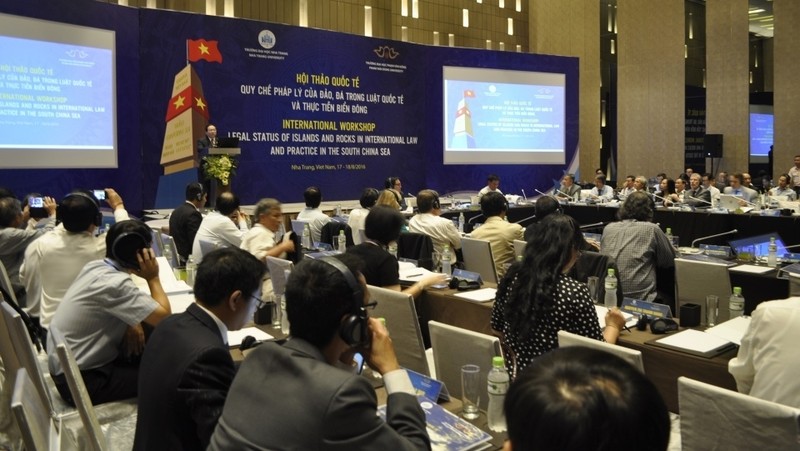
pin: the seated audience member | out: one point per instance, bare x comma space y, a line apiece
357, 215
601, 192
794, 174
537, 298
568, 188
304, 394
262, 240
54, 261
627, 188
666, 188
737, 189
678, 196
722, 180
220, 227
383, 226
98, 309
428, 222
15, 238
638, 246
312, 213
394, 183
576, 399
747, 181
767, 363
783, 188
697, 195
184, 222
497, 231
545, 206
390, 198
640, 183
688, 172
708, 185
186, 367
492, 186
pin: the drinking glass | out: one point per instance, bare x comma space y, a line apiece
470, 391
712, 309
592, 283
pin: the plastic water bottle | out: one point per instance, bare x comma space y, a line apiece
338, 212
168, 253
610, 298
736, 303
461, 222
341, 242
393, 249
446, 260
669, 234
306, 237
497, 381
772, 256
191, 269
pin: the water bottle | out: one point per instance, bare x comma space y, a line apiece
669, 234
461, 223
168, 253
497, 381
341, 242
284, 316
307, 237
338, 212
577, 196
191, 268
393, 249
772, 256
736, 303
610, 298
446, 260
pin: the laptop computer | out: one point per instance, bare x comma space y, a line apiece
759, 243
731, 202
228, 143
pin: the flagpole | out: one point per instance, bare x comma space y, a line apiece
187, 52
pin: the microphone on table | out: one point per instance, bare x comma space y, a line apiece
470, 220
524, 197
592, 226
729, 232
525, 219
552, 195
701, 200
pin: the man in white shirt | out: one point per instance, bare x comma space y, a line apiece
492, 186
219, 227
313, 214
263, 240
54, 261
358, 216
783, 188
627, 187
601, 192
794, 173
428, 222
710, 185
769, 358
497, 231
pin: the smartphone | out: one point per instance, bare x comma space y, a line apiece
36, 209
359, 359
36, 202
100, 194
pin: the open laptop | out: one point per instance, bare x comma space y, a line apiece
228, 143
731, 202
760, 244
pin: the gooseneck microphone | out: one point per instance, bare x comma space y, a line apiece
729, 232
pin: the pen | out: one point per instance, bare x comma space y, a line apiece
413, 275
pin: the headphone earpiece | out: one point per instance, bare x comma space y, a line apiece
200, 194
131, 240
354, 329
436, 204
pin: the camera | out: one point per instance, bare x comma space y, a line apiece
36, 202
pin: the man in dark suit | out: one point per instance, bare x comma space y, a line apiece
305, 393
185, 220
208, 141
186, 367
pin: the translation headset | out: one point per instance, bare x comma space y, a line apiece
389, 182
98, 215
436, 204
125, 242
200, 194
354, 328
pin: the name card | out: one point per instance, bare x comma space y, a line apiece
428, 387
638, 307
718, 251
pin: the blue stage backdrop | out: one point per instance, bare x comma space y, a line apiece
310, 107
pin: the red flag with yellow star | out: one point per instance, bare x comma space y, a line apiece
201, 49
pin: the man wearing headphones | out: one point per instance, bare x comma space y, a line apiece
185, 220
312, 214
98, 310
428, 222
53, 262
304, 394
396, 184
499, 232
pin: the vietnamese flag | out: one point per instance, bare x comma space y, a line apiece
201, 49
469, 93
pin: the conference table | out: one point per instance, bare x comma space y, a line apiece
662, 366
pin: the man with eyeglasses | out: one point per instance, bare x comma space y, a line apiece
305, 393
186, 367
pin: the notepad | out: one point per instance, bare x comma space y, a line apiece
752, 269
482, 295
695, 342
732, 330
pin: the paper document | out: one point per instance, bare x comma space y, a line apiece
696, 341
235, 337
482, 295
169, 282
751, 269
413, 274
630, 320
178, 303
732, 330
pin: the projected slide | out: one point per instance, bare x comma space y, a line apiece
57, 95
494, 116
761, 133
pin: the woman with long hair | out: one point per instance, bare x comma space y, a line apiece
537, 298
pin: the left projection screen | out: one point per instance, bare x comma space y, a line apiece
57, 95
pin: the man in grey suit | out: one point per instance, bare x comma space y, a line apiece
305, 393
738, 189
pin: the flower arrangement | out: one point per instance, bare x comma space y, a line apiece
219, 167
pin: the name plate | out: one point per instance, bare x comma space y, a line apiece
432, 389
791, 257
719, 251
638, 307
467, 275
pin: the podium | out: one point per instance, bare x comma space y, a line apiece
213, 186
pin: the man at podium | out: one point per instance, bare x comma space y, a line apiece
210, 140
